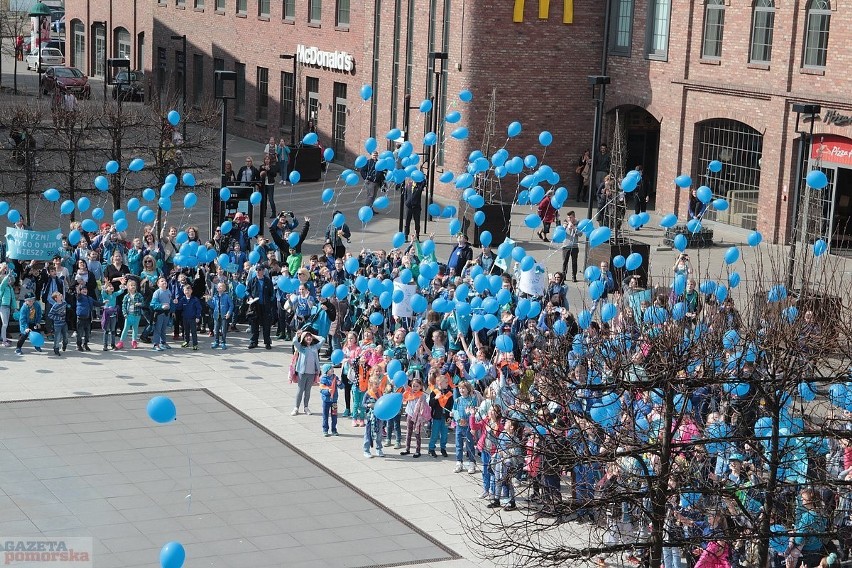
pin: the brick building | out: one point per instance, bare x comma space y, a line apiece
717, 80
533, 57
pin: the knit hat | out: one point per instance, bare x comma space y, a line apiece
326, 368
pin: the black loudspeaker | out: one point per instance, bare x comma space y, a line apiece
625, 248
307, 160
498, 218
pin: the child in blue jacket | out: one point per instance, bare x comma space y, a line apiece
222, 311
190, 307
329, 385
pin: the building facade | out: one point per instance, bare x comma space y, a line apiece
711, 80
530, 57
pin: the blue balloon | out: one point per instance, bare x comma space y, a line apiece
419, 304
633, 261
255, 198
253, 231
121, 224
366, 92
425, 106
111, 167
365, 214
376, 318
732, 255
190, 199
164, 203
715, 166
351, 265
4, 207
36, 338
328, 154
453, 117
720, 204
430, 139
167, 190
188, 179
161, 409
599, 236
83, 204
136, 165
310, 139
412, 342
518, 254
460, 133
172, 554
293, 240
101, 183
668, 221
327, 195
545, 138
98, 213
680, 242
530, 161
596, 290
51, 194
514, 129
182, 237
754, 239
485, 238
683, 181
704, 194
398, 240
66, 208
820, 246
504, 343
592, 273
338, 220
465, 96
388, 406
532, 221
381, 202
74, 237
173, 117
148, 194
341, 292
295, 177
227, 227
817, 179
734, 279
428, 247
527, 263
89, 226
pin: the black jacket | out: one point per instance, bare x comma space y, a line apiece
255, 174
370, 173
268, 299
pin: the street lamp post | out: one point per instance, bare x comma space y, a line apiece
221, 77
293, 100
433, 152
183, 87
810, 111
40, 11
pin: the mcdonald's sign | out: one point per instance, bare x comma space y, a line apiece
544, 11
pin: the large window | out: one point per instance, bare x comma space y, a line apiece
197, 79
714, 25
122, 43
220, 5
78, 53
341, 18
262, 100
240, 91
339, 126
285, 112
621, 35
816, 34
312, 92
657, 40
263, 8
242, 6
763, 22
315, 11
289, 9
739, 147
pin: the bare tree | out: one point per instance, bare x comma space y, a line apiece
700, 427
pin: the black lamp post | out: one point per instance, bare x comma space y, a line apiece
221, 77
433, 150
810, 111
40, 11
293, 100
183, 87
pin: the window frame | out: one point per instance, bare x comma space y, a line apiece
288, 10
287, 98
240, 91
713, 8
219, 6
241, 7
261, 101
315, 9
261, 5
338, 9
767, 8
619, 8
822, 12
652, 29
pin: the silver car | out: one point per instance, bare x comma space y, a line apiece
50, 57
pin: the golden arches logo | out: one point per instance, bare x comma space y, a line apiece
544, 11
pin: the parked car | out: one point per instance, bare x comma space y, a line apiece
130, 86
50, 57
67, 79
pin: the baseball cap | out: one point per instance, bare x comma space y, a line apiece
29, 296
735, 457
326, 368
388, 353
260, 266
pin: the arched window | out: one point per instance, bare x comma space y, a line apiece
739, 147
817, 22
714, 24
762, 24
121, 41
